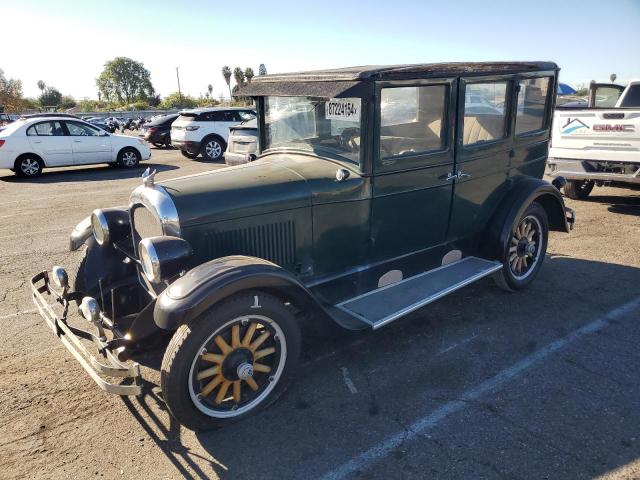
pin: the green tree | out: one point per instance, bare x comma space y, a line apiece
41, 86
67, 102
51, 97
226, 73
262, 70
248, 73
613, 77
238, 76
125, 80
210, 90
11, 94
175, 100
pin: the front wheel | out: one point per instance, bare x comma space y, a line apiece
525, 250
231, 361
128, 158
578, 189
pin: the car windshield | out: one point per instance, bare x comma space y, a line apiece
325, 126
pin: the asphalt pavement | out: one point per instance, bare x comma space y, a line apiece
481, 384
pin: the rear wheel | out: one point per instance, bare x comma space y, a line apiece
28, 166
212, 149
578, 189
525, 250
189, 155
158, 144
230, 362
128, 158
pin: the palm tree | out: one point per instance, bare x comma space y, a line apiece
238, 75
41, 85
248, 73
210, 89
226, 73
613, 77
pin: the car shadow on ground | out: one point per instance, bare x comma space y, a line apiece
624, 205
98, 173
313, 418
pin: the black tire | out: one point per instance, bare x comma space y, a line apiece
158, 144
28, 166
183, 356
128, 158
213, 148
578, 189
507, 277
188, 154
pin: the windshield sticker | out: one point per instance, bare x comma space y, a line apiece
347, 109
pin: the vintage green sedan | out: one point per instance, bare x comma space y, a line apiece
376, 191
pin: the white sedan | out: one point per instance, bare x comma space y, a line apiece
29, 145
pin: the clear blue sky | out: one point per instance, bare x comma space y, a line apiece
66, 42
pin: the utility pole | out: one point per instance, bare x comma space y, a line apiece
179, 91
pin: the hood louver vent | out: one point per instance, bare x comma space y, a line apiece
275, 242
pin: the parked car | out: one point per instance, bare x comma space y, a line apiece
598, 144
29, 145
205, 131
243, 143
343, 216
158, 131
104, 125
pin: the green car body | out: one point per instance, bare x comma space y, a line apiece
375, 189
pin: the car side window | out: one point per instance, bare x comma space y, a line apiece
411, 119
532, 99
230, 116
77, 129
484, 112
46, 129
214, 117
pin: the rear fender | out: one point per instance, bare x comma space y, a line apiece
209, 283
522, 194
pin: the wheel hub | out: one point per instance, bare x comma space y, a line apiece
244, 371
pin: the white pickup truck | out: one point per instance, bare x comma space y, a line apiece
598, 145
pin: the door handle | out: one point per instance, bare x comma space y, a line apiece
77, 141
37, 141
451, 176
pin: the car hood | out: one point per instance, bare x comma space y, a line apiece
271, 184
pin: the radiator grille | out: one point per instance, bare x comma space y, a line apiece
144, 224
275, 242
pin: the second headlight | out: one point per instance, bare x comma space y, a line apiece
163, 257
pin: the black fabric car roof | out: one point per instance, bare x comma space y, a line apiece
352, 80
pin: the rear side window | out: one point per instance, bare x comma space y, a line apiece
632, 97
187, 117
46, 129
484, 112
411, 119
532, 99
246, 115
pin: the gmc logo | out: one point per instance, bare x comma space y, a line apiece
614, 128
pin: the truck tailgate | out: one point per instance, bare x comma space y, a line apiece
596, 134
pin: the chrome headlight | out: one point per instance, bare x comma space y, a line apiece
163, 257
110, 225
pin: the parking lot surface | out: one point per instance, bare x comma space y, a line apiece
482, 384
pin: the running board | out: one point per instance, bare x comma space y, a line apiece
386, 304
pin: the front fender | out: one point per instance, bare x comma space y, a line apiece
209, 283
522, 194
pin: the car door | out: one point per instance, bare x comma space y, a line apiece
48, 139
89, 145
223, 119
483, 152
411, 191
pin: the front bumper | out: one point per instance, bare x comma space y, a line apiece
105, 364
